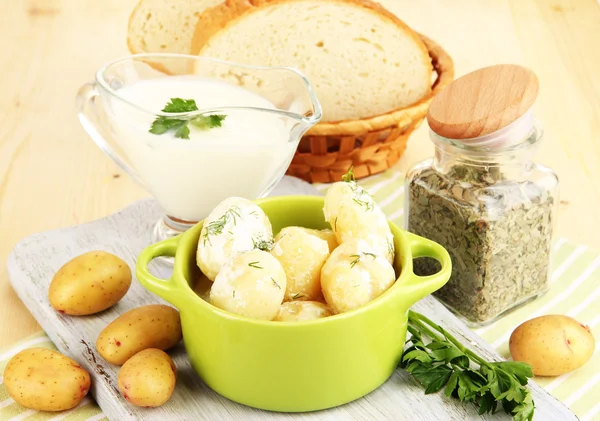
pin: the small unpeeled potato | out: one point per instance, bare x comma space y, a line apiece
251, 285
148, 378
89, 284
296, 311
552, 344
354, 275
151, 326
354, 215
234, 226
45, 380
302, 256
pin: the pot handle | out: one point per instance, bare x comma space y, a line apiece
164, 288
417, 287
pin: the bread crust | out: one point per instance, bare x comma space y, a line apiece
219, 18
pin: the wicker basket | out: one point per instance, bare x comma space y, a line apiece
370, 145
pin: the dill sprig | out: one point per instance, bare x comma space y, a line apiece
217, 226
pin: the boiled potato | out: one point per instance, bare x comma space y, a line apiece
327, 235
148, 378
552, 345
252, 285
45, 380
89, 283
151, 326
235, 226
295, 311
354, 215
355, 274
302, 256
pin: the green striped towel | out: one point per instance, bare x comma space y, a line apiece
575, 291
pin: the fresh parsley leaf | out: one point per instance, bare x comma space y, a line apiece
432, 377
487, 403
178, 105
208, 121
163, 124
444, 361
418, 355
452, 384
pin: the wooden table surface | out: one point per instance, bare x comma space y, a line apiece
52, 175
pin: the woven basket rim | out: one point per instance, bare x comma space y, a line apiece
444, 68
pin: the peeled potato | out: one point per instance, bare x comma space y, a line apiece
295, 311
148, 378
354, 275
252, 285
235, 226
552, 344
302, 256
327, 235
354, 215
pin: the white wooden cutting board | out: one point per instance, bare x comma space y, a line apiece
34, 260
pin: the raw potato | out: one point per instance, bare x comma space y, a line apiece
354, 215
148, 378
45, 380
295, 311
302, 256
235, 226
552, 344
151, 326
89, 283
251, 285
354, 275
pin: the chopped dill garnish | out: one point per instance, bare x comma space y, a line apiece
297, 295
261, 244
356, 257
349, 176
234, 293
217, 226
275, 282
254, 265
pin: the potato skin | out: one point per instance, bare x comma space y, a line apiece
151, 326
45, 380
552, 344
297, 311
89, 283
148, 378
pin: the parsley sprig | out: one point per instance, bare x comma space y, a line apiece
446, 362
163, 124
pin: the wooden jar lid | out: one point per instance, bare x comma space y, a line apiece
482, 102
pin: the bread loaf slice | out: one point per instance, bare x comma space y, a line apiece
165, 26
362, 60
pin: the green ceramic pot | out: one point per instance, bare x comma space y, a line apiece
294, 366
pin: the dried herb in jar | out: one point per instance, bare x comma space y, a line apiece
497, 232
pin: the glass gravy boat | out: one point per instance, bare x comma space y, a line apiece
262, 112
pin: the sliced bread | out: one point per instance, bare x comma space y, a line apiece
165, 26
362, 60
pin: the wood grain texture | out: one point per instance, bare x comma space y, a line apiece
483, 101
52, 175
35, 259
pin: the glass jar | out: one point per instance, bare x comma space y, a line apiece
493, 209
